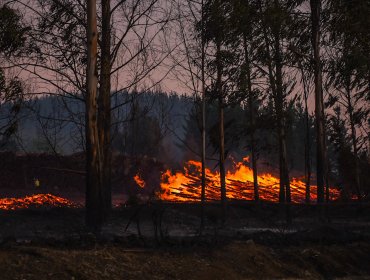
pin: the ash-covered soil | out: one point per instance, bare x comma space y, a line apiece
162, 241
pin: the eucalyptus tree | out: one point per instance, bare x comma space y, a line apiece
301, 55
321, 150
243, 17
203, 81
94, 191
104, 104
348, 71
305, 82
221, 67
277, 30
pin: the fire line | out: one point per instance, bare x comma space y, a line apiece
35, 201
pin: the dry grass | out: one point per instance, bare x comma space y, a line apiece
239, 260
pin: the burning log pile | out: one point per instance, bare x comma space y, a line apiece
186, 185
35, 201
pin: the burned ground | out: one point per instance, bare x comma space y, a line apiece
255, 243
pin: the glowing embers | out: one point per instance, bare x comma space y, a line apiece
139, 181
186, 185
35, 201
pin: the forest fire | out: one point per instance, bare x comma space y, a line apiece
35, 201
186, 186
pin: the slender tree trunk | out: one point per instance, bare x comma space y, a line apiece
285, 195
94, 206
279, 103
222, 158
319, 102
251, 117
221, 128
327, 171
276, 83
104, 102
307, 152
354, 140
274, 89
203, 198
307, 156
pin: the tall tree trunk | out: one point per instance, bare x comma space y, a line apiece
94, 206
285, 195
276, 83
203, 195
353, 138
279, 103
327, 172
277, 94
221, 128
307, 146
252, 121
321, 161
104, 105
222, 158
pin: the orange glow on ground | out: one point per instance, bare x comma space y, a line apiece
35, 201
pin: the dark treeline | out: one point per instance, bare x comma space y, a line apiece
46, 125
166, 127
284, 81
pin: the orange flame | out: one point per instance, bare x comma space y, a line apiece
35, 201
246, 159
139, 181
186, 185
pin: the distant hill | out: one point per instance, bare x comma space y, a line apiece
55, 123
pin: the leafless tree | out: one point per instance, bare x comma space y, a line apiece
127, 52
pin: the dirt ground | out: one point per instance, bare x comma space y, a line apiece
254, 244
237, 260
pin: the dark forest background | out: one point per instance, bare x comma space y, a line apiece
166, 127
